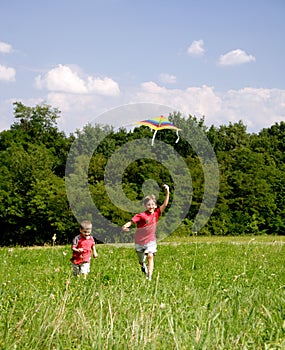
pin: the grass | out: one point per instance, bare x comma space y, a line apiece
206, 294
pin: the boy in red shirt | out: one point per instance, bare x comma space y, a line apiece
82, 247
145, 236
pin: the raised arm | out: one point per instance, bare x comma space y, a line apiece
166, 199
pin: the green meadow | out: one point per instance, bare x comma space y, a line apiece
206, 293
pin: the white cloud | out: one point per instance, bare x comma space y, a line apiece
105, 86
235, 57
7, 73
257, 108
5, 48
196, 48
197, 101
76, 109
167, 78
152, 88
65, 79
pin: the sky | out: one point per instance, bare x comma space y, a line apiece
223, 60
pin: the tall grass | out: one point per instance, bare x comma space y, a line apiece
203, 296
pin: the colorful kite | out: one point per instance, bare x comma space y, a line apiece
159, 123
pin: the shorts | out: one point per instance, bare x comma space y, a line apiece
83, 268
143, 250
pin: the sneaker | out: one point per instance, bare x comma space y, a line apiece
144, 269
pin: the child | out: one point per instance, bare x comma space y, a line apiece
82, 247
145, 237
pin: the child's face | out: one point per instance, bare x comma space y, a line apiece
86, 231
150, 206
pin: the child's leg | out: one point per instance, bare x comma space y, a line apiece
141, 256
150, 252
75, 269
150, 258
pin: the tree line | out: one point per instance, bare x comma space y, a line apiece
34, 205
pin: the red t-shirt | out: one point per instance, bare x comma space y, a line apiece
81, 242
146, 226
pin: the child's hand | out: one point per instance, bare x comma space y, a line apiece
125, 229
80, 250
95, 255
166, 187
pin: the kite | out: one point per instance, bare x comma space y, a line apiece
159, 123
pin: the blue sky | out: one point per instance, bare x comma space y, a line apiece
223, 59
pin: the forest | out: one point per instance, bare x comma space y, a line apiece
39, 163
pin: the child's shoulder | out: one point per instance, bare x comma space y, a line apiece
157, 211
76, 238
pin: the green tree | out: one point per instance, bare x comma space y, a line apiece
38, 125
33, 154
26, 177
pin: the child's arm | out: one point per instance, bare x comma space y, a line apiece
95, 254
77, 250
75, 245
166, 199
126, 226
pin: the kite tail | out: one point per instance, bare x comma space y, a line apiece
152, 141
177, 133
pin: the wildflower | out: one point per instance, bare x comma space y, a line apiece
64, 253
198, 334
10, 251
52, 296
54, 238
37, 309
162, 306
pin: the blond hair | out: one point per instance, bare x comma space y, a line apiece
85, 224
149, 198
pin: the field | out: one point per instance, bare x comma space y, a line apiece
220, 293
